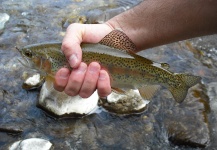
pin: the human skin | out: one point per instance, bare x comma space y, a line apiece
149, 24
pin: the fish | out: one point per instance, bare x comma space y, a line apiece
116, 53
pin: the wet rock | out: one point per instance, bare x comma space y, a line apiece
130, 103
11, 128
3, 19
32, 81
187, 124
100, 16
31, 144
62, 105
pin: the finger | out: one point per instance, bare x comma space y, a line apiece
61, 79
76, 80
90, 80
71, 44
103, 84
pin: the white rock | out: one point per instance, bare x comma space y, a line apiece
131, 97
60, 104
3, 19
114, 97
31, 144
34, 80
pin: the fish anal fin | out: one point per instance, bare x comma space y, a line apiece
148, 91
118, 91
119, 40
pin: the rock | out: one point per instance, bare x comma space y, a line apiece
101, 16
32, 81
11, 129
61, 105
3, 19
187, 124
31, 144
130, 103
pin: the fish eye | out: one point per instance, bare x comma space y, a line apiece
28, 53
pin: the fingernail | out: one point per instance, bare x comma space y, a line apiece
81, 69
73, 59
64, 74
93, 69
102, 76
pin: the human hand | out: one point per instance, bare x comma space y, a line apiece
83, 80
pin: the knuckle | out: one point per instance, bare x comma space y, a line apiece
71, 26
85, 93
70, 92
65, 46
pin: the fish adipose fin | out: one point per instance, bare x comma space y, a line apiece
179, 93
148, 91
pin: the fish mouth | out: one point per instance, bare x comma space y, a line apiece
24, 61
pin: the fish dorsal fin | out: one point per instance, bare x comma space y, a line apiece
148, 91
118, 40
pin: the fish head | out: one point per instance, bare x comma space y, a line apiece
33, 60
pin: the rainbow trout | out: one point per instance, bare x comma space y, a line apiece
114, 52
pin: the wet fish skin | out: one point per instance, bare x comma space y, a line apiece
127, 70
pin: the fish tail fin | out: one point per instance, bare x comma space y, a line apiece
179, 93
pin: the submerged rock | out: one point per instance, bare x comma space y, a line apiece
3, 19
130, 103
31, 144
61, 105
187, 124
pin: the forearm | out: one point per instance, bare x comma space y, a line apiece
157, 22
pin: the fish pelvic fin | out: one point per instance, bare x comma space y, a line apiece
118, 40
179, 93
118, 91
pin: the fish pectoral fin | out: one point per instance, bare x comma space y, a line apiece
118, 40
118, 91
148, 91
49, 81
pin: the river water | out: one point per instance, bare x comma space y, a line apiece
163, 125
